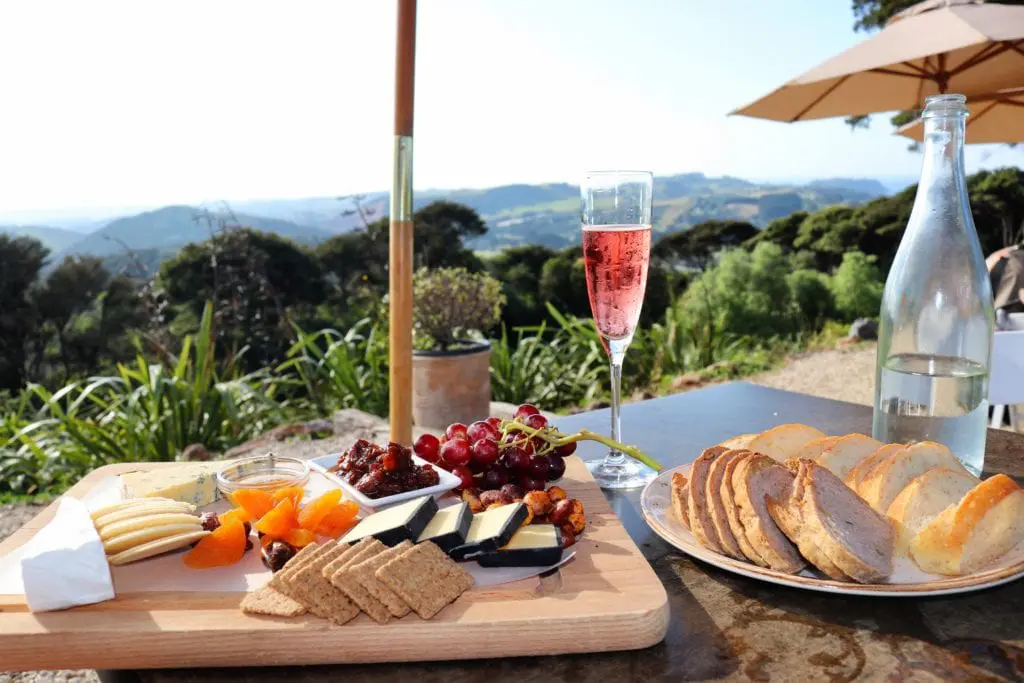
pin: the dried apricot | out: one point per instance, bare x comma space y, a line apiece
293, 492
338, 520
225, 546
278, 521
315, 510
299, 538
235, 513
254, 501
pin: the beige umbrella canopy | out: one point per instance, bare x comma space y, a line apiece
993, 118
940, 46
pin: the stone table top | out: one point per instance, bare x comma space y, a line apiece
725, 627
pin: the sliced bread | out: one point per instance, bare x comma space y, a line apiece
732, 513
716, 503
738, 442
813, 449
846, 453
785, 441
756, 478
924, 498
856, 476
892, 475
855, 539
697, 505
983, 526
679, 501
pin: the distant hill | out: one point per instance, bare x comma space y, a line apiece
546, 214
54, 239
170, 228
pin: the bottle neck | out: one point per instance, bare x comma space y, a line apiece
943, 170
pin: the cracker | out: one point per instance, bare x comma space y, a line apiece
277, 581
352, 553
365, 571
270, 602
342, 578
425, 578
317, 593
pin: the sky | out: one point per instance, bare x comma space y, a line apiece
109, 103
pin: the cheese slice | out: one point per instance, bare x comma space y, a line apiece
194, 483
449, 527
490, 530
393, 525
538, 545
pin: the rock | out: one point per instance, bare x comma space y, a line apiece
691, 380
864, 329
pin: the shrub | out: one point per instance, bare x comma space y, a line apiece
810, 292
449, 302
857, 286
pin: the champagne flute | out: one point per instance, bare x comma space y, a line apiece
616, 222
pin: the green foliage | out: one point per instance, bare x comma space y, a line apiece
811, 293
338, 370
21, 260
997, 200
695, 248
147, 411
873, 14
451, 302
857, 287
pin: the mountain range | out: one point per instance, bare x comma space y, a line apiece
545, 214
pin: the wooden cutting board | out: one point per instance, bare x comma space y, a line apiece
606, 598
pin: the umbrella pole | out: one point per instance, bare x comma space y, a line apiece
401, 234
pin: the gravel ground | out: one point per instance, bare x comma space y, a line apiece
846, 374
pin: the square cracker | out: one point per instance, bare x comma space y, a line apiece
364, 572
301, 558
269, 602
352, 553
425, 578
344, 580
317, 594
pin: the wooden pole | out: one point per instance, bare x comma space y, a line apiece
401, 234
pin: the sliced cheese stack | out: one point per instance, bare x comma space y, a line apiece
403, 522
140, 528
491, 530
538, 545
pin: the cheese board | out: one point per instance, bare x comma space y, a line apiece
606, 597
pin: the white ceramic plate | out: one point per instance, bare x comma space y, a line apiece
447, 482
907, 579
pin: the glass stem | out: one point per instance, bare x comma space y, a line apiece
615, 457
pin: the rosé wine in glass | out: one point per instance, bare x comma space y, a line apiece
615, 258
615, 217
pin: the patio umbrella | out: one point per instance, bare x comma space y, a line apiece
993, 118
934, 47
400, 236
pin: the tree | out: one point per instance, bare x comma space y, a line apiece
696, 248
21, 260
253, 279
857, 286
519, 269
68, 291
781, 231
829, 233
997, 202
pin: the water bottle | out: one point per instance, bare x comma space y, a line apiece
937, 317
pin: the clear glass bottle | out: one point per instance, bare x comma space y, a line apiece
937, 317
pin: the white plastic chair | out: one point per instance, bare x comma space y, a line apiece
1006, 380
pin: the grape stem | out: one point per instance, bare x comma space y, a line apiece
561, 439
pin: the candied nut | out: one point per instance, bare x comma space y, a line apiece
577, 517
568, 535
511, 493
529, 517
538, 502
209, 521
475, 504
560, 512
556, 493
488, 498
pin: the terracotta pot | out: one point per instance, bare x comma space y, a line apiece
451, 386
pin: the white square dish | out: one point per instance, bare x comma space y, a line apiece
448, 481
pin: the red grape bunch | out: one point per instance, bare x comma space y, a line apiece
491, 453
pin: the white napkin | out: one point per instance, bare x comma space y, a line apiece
64, 564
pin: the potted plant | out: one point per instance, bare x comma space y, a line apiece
451, 380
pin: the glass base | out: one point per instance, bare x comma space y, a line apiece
628, 475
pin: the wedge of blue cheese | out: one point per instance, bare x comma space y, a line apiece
449, 527
537, 545
391, 526
490, 530
194, 483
